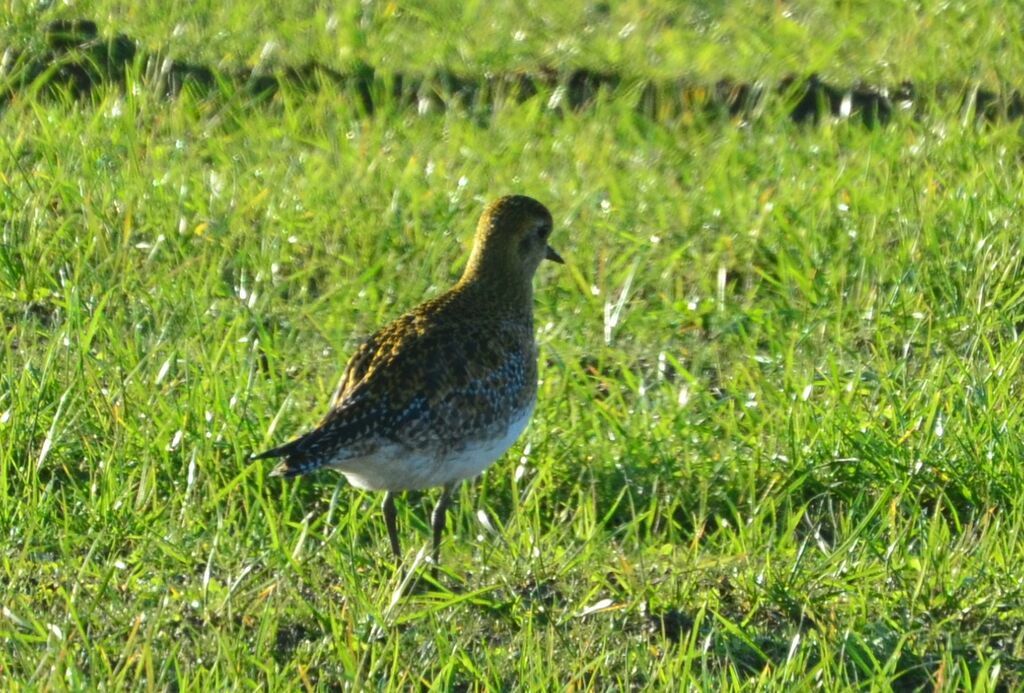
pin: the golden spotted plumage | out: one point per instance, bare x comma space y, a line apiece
439, 393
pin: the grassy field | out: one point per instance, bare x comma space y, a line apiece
778, 442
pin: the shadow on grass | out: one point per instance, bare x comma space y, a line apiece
77, 59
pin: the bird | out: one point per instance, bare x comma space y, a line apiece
443, 391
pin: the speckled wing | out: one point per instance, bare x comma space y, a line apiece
421, 382
356, 369
344, 429
449, 382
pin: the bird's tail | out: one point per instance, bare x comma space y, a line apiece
296, 458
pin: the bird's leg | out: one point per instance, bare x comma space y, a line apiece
437, 519
390, 519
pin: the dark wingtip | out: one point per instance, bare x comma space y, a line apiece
279, 451
297, 458
282, 469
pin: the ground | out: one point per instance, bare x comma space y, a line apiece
779, 428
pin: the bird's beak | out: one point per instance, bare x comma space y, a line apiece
553, 256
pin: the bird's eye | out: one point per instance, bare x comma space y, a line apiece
542, 232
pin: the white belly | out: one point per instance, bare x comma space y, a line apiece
397, 468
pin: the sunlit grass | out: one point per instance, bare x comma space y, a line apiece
778, 434
882, 42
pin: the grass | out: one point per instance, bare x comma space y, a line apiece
926, 41
778, 437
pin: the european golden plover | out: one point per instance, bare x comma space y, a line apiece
443, 391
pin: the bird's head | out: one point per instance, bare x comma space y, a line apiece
511, 241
